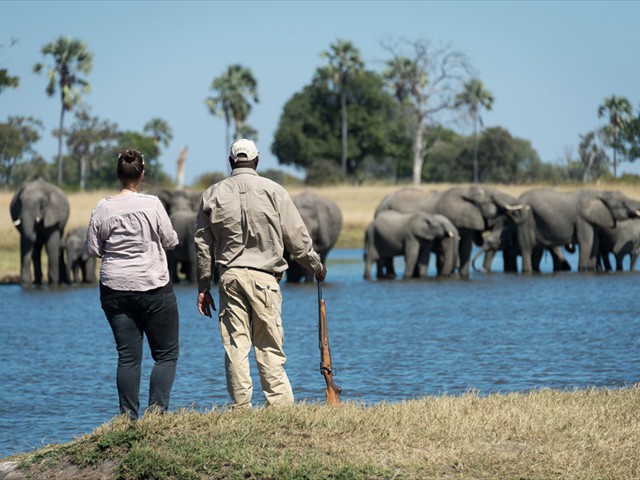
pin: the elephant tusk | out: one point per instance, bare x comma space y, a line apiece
450, 234
512, 208
637, 213
17, 222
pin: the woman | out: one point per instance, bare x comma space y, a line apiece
130, 232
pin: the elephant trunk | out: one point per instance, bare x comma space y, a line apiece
475, 257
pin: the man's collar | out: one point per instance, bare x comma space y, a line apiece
239, 170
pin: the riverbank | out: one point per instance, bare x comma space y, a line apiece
357, 204
583, 434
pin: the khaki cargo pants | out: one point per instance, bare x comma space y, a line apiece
250, 309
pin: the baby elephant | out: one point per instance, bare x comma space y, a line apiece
414, 235
78, 263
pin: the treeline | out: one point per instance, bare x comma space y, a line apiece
350, 123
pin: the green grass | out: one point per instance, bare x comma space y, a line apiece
585, 434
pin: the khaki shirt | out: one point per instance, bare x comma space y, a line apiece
248, 221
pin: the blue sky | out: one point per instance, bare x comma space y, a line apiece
548, 64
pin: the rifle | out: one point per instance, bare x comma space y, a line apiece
333, 391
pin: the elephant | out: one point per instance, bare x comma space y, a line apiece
415, 236
472, 209
622, 240
562, 218
503, 236
183, 219
40, 210
170, 197
80, 266
323, 220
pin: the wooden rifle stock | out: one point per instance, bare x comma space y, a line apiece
333, 391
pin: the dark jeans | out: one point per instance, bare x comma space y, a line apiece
133, 315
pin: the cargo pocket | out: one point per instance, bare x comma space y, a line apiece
269, 294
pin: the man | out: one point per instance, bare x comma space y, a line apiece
245, 222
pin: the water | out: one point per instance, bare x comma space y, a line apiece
390, 341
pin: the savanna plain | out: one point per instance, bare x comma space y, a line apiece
542, 434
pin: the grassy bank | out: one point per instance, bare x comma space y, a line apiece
588, 434
357, 204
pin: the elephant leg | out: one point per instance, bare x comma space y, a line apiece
26, 257
411, 255
367, 268
536, 257
510, 259
619, 262
56, 263
466, 244
488, 260
90, 266
390, 269
422, 268
37, 261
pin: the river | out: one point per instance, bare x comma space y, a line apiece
390, 341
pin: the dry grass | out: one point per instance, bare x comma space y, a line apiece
584, 434
357, 204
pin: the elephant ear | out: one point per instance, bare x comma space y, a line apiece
422, 227
16, 206
462, 212
596, 212
513, 207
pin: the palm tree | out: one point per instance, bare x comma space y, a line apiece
474, 97
70, 58
160, 131
344, 62
234, 89
618, 109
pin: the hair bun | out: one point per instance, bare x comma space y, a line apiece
130, 156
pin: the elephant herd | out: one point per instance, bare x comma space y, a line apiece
40, 211
413, 223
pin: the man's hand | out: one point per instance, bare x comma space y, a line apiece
321, 275
206, 304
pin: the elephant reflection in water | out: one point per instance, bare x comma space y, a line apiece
40, 210
414, 236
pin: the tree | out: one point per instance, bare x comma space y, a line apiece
90, 139
592, 157
159, 130
234, 90
305, 136
344, 63
425, 82
618, 109
17, 137
631, 138
473, 98
7, 80
70, 59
